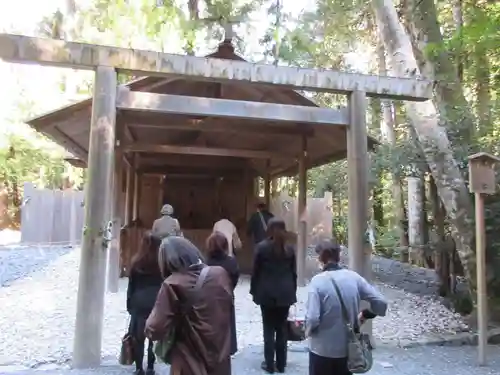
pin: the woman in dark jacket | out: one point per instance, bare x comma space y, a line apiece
273, 287
217, 251
144, 284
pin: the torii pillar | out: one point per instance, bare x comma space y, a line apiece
357, 173
92, 275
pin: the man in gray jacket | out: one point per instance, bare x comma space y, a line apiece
325, 326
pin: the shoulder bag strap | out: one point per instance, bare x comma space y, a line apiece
201, 278
345, 313
264, 224
192, 295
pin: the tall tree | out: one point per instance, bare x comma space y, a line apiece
435, 144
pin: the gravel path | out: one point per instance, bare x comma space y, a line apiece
17, 262
37, 320
394, 361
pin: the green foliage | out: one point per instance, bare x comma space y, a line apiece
21, 161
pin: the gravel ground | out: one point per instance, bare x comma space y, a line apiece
17, 262
415, 361
38, 311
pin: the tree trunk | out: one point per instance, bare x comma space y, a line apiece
377, 204
387, 125
458, 19
432, 137
416, 191
453, 108
482, 89
441, 255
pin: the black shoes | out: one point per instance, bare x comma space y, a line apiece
140, 371
272, 370
266, 368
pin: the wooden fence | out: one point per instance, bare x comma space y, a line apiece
51, 216
319, 215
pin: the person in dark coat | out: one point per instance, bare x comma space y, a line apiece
144, 283
273, 287
257, 224
218, 255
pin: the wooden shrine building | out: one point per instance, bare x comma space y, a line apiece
194, 154
195, 132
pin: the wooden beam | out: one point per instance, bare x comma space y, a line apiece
191, 161
181, 169
138, 121
225, 108
207, 151
69, 143
24, 49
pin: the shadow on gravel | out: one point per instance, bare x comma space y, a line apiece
18, 262
415, 280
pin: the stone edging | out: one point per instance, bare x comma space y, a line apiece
458, 339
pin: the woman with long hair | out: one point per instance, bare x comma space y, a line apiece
194, 303
218, 255
144, 283
273, 287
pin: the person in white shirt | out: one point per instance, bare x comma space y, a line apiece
228, 229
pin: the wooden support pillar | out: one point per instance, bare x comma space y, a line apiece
92, 277
137, 189
114, 248
274, 187
302, 215
160, 192
357, 167
129, 194
267, 185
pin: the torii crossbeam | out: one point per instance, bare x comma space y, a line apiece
23, 49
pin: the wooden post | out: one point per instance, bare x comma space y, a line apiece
357, 162
91, 283
129, 195
274, 187
267, 185
302, 215
482, 295
137, 188
160, 193
114, 248
481, 181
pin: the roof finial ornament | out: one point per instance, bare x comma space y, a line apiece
229, 32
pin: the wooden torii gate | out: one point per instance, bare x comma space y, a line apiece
108, 61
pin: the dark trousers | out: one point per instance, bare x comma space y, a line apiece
137, 325
274, 321
139, 353
319, 365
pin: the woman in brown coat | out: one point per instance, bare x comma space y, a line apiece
203, 326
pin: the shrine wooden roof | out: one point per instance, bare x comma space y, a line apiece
70, 127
